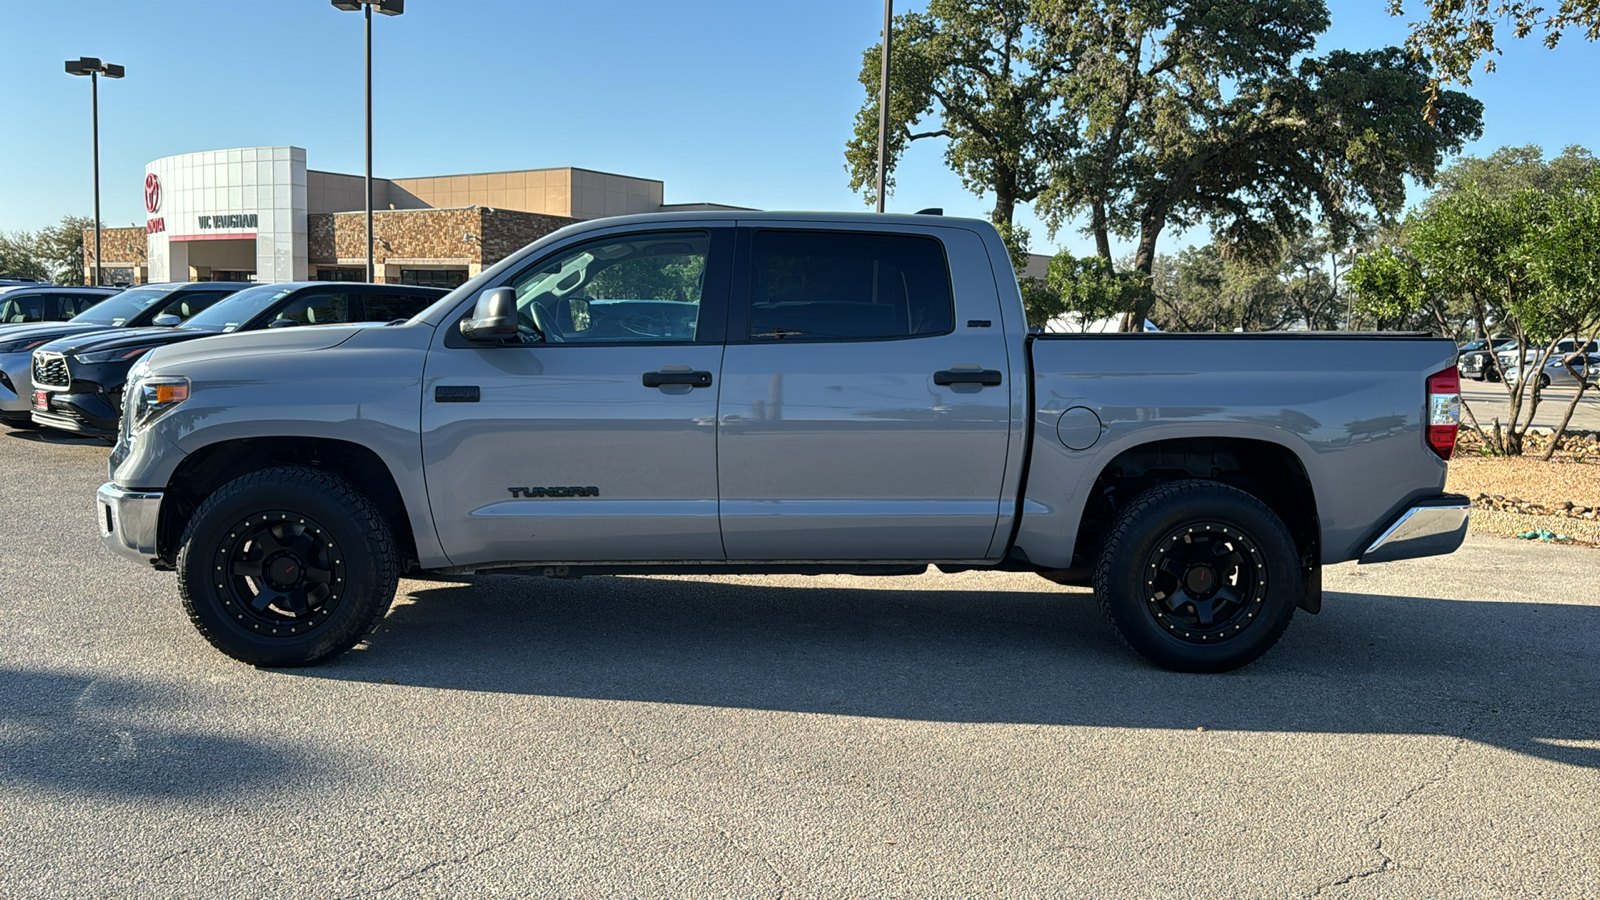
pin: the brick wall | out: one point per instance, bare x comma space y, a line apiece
479, 235
117, 245
505, 231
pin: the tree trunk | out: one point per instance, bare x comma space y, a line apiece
1144, 262
1097, 225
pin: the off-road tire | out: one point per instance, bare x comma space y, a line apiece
1189, 526
324, 560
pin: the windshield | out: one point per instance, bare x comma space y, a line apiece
119, 308
236, 309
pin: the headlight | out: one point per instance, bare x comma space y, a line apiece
23, 345
151, 398
105, 356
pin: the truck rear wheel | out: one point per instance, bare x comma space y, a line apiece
287, 567
1197, 576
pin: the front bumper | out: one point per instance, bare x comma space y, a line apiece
1432, 528
88, 414
129, 521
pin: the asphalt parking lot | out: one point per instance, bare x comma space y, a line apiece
1488, 401
1434, 733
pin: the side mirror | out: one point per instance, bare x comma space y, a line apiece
166, 320
494, 318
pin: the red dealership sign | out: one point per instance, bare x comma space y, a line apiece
152, 193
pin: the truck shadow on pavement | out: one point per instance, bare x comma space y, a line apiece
116, 738
1522, 676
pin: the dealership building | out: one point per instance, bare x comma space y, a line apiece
258, 214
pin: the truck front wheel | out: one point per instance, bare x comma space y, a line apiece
286, 567
1198, 576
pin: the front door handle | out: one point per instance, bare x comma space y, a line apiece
691, 378
984, 377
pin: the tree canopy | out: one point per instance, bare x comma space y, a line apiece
1459, 34
1134, 117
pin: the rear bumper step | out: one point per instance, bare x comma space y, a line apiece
1432, 528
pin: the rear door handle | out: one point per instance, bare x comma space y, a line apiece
985, 377
691, 378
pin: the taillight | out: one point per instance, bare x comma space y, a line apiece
1444, 411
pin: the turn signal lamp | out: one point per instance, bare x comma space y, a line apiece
1444, 411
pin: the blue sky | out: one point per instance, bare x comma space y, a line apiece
733, 101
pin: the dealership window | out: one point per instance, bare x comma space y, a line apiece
439, 278
330, 273
232, 275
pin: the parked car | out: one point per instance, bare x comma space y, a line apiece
776, 393
1555, 371
1476, 359
25, 304
77, 381
1507, 359
131, 308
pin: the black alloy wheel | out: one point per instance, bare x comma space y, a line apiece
1205, 582
280, 571
1544, 381
1198, 576
286, 567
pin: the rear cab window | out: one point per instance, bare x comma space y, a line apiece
831, 286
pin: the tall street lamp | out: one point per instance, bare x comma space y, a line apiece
883, 101
94, 68
388, 8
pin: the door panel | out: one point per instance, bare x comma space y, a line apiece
592, 437
573, 416
849, 449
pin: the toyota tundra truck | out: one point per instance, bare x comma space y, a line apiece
776, 393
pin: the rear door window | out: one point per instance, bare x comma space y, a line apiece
386, 307
314, 308
847, 286
188, 303
15, 310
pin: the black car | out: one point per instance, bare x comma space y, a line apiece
169, 303
25, 304
1477, 361
78, 381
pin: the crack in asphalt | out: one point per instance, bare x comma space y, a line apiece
636, 768
1387, 863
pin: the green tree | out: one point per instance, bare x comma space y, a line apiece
1215, 114
1458, 34
60, 248
1528, 258
1511, 169
19, 257
1089, 290
973, 73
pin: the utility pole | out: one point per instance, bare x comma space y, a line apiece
388, 8
94, 68
883, 102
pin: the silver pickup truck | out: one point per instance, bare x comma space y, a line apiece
776, 393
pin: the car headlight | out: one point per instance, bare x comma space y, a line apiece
105, 356
149, 399
23, 345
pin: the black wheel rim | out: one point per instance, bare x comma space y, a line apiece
280, 574
1205, 583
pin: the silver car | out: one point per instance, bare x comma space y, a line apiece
1555, 371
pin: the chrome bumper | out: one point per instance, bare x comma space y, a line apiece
1430, 530
128, 521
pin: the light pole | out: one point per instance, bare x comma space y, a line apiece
883, 102
94, 68
388, 8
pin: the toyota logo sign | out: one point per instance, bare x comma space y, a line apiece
152, 193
